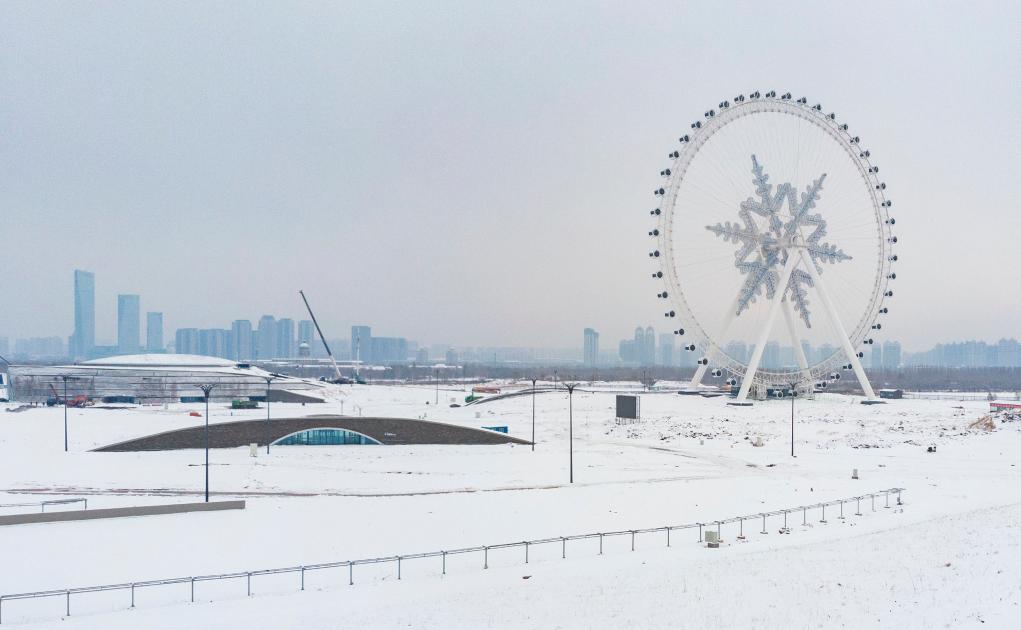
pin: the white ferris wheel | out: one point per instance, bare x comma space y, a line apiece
773, 240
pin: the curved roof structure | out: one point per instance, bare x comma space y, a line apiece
161, 361
383, 430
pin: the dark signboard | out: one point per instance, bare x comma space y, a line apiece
627, 407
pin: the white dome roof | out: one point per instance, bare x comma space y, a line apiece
160, 360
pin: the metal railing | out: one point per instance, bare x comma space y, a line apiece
397, 560
42, 504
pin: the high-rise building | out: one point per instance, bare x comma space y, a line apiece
84, 338
129, 322
877, 357
214, 342
771, 355
649, 347
361, 343
591, 351
666, 349
285, 338
891, 355
4, 347
306, 331
389, 349
267, 348
241, 340
153, 332
186, 341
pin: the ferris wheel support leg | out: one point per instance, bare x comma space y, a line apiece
760, 343
728, 321
799, 352
845, 341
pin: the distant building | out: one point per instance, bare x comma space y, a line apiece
129, 323
153, 332
389, 349
39, 348
422, 356
241, 340
877, 357
4, 348
591, 350
306, 332
666, 349
361, 344
285, 338
186, 341
451, 357
83, 340
771, 355
737, 350
214, 342
891, 355
267, 337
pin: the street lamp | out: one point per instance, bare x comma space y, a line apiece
205, 390
794, 392
269, 382
533, 415
436, 377
65, 377
570, 428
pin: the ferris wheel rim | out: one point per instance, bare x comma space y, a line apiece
710, 349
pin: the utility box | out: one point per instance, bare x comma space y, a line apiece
712, 539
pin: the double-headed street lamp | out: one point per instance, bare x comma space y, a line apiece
533, 415
794, 393
570, 427
206, 389
65, 378
269, 383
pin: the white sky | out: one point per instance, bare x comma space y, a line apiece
472, 173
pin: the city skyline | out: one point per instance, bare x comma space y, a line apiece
175, 182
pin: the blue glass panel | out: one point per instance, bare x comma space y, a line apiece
324, 437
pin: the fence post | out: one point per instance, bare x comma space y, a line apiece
667, 536
841, 510
764, 524
887, 499
526, 553
249, 580
873, 496
68, 603
398, 567
785, 519
700, 532
741, 530
600, 544
132, 594
857, 511
823, 513
485, 557
444, 563
719, 536
804, 516
302, 578
632, 540
563, 542
193, 590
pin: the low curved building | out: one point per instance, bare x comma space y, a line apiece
157, 378
315, 431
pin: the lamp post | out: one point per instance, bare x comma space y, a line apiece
554, 379
205, 390
64, 378
533, 415
570, 428
269, 382
436, 377
794, 392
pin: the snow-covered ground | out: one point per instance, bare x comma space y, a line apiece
949, 557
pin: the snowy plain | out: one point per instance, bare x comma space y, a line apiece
949, 557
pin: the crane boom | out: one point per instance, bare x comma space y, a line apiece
321, 337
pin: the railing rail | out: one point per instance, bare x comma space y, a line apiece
66, 593
42, 504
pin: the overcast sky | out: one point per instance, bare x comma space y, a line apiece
469, 173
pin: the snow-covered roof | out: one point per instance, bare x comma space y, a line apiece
160, 360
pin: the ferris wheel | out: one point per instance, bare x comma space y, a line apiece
771, 208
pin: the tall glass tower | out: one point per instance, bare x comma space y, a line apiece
83, 341
128, 323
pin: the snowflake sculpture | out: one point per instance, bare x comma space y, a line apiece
764, 252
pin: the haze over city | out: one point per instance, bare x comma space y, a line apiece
463, 173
